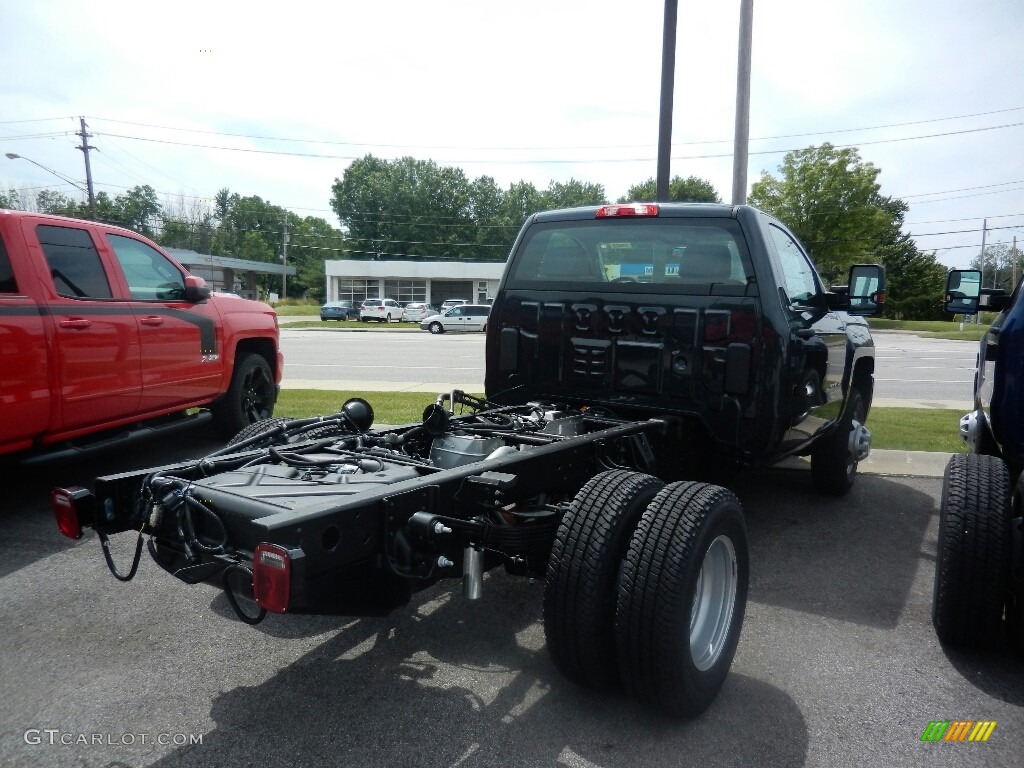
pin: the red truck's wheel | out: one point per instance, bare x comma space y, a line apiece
972, 565
682, 596
583, 571
249, 399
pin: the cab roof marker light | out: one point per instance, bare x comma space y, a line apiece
629, 209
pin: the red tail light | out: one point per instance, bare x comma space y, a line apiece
71, 507
630, 209
272, 577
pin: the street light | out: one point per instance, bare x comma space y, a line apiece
75, 184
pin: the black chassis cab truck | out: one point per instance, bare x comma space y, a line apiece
979, 569
631, 351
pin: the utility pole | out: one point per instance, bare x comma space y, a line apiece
1013, 264
284, 258
668, 79
742, 133
88, 168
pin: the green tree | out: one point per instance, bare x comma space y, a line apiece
138, 210
57, 203
689, 190
831, 201
572, 193
1000, 265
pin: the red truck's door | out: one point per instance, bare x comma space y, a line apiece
24, 375
180, 348
96, 338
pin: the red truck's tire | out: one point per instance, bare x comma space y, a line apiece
682, 596
972, 565
249, 399
583, 572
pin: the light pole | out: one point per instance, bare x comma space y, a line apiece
75, 184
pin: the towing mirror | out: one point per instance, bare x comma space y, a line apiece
866, 289
965, 296
196, 288
963, 288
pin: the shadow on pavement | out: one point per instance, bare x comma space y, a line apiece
856, 557
446, 683
30, 532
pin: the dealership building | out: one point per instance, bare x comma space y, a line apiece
412, 280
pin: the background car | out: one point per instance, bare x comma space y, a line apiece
464, 317
415, 311
449, 303
381, 310
339, 310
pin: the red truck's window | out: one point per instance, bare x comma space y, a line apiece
74, 263
150, 276
7, 283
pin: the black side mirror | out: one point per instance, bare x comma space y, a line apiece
865, 291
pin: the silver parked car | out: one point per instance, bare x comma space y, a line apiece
465, 317
415, 311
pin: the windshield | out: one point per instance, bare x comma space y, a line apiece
671, 255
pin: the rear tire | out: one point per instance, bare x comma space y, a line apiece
833, 464
972, 566
682, 596
250, 397
583, 572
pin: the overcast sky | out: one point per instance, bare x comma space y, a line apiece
930, 91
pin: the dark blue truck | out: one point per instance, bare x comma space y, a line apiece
979, 571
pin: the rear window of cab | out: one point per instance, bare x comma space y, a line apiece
664, 255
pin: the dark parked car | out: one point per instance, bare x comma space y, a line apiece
339, 310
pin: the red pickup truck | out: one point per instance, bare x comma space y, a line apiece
105, 338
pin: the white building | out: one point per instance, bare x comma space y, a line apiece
405, 281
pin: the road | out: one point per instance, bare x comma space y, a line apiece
910, 370
837, 665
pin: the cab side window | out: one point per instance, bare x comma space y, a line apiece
798, 274
7, 282
150, 276
74, 263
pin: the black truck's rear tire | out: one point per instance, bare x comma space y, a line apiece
250, 397
972, 567
583, 572
682, 596
833, 463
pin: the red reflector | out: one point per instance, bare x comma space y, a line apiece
272, 577
630, 209
62, 501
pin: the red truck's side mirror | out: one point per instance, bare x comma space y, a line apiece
196, 288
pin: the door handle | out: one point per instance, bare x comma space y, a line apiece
78, 323
152, 320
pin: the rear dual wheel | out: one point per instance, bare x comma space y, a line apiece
647, 588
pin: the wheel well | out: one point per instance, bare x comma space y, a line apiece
262, 347
864, 380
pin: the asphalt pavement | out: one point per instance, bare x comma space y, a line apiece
837, 665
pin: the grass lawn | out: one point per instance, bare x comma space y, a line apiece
906, 429
936, 329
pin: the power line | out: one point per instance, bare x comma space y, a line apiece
604, 146
558, 161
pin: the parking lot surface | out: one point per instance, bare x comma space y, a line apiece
837, 664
